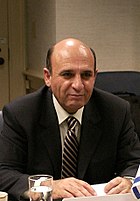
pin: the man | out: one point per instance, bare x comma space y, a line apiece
35, 127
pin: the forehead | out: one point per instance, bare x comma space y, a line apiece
72, 55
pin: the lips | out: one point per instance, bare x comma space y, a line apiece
77, 95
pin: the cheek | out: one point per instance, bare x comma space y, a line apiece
89, 86
58, 87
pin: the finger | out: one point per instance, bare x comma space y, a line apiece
118, 190
125, 191
119, 185
79, 188
115, 190
87, 189
61, 193
71, 187
80, 191
60, 190
112, 184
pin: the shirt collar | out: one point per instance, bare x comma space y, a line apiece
62, 114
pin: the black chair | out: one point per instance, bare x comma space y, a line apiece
125, 84
1, 121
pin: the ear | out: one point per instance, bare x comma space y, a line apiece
96, 72
47, 77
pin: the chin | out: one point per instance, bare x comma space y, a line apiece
74, 109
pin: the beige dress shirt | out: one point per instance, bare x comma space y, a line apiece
62, 116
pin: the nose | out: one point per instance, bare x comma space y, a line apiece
77, 83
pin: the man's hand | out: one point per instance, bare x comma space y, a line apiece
118, 185
71, 187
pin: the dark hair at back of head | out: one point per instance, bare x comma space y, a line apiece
49, 54
94, 56
48, 59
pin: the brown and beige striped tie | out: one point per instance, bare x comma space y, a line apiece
70, 153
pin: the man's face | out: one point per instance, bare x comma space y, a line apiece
72, 78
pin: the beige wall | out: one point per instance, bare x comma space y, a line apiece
111, 27
40, 29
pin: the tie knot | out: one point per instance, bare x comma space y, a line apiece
71, 122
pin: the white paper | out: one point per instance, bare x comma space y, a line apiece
99, 188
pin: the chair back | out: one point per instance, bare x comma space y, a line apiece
125, 84
119, 82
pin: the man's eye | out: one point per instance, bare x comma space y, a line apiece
67, 74
86, 75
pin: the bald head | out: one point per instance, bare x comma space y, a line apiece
69, 47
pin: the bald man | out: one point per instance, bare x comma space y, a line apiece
35, 127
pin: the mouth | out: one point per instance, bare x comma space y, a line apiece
76, 96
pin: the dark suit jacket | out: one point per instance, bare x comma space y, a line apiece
30, 142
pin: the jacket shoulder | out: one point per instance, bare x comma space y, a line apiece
109, 101
107, 97
27, 102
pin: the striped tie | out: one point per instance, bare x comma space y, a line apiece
70, 153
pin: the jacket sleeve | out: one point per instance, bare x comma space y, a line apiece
12, 166
128, 154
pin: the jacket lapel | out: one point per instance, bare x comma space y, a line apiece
51, 135
90, 137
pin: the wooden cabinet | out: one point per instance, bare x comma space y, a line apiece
33, 80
